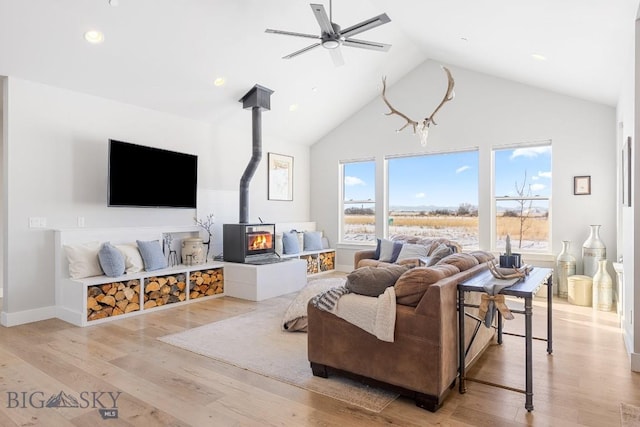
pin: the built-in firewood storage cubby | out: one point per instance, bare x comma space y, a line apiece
98, 299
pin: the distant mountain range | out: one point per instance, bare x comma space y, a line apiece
431, 208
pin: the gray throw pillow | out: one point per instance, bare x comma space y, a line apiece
312, 240
152, 255
290, 243
372, 281
111, 260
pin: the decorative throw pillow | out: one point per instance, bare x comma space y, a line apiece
413, 284
325, 243
290, 243
132, 259
372, 281
389, 250
152, 255
111, 260
439, 253
376, 254
412, 251
462, 261
83, 260
312, 240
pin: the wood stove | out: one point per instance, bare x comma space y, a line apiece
249, 243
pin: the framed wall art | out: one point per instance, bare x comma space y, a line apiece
280, 177
582, 185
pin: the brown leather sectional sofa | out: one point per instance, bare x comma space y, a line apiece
422, 362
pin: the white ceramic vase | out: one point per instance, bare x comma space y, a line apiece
603, 286
566, 266
193, 251
593, 250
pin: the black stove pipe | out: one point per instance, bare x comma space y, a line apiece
256, 156
258, 99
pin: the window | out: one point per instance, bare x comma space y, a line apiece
522, 193
358, 222
435, 195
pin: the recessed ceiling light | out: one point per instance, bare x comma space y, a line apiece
293, 107
219, 81
113, 2
94, 36
314, 89
538, 57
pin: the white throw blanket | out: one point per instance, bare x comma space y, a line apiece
374, 315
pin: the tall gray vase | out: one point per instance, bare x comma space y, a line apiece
593, 250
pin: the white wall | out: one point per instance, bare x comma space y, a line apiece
487, 111
56, 168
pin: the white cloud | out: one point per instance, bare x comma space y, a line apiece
537, 187
530, 151
462, 169
546, 174
420, 195
353, 180
535, 178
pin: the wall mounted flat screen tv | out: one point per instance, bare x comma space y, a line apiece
141, 176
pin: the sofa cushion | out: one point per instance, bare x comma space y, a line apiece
482, 256
441, 251
412, 251
372, 281
412, 285
462, 261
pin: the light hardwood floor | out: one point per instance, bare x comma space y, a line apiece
582, 383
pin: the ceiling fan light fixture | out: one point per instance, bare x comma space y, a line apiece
330, 44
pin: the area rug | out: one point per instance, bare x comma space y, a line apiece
256, 342
629, 415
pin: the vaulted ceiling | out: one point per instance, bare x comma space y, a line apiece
166, 54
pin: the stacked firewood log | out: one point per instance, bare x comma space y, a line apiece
327, 261
112, 299
164, 290
206, 283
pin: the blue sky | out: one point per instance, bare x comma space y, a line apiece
450, 179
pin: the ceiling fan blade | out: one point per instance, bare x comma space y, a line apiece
336, 56
290, 33
303, 50
322, 18
376, 21
364, 44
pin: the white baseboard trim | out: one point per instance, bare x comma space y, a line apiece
27, 316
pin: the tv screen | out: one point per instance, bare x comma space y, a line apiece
143, 176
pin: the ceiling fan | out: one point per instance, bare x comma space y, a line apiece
332, 36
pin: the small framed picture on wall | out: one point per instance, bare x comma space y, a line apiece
582, 185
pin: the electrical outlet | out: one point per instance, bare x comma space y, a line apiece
37, 222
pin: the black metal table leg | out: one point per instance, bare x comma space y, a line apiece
462, 387
549, 315
499, 327
528, 314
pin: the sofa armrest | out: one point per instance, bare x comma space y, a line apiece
364, 254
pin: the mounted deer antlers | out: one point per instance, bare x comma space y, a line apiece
422, 127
